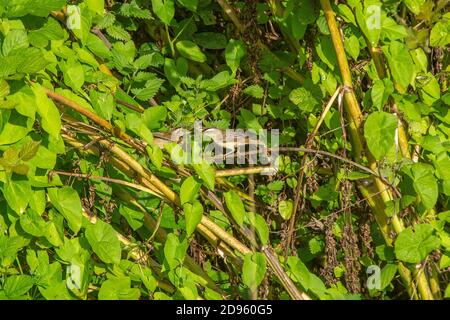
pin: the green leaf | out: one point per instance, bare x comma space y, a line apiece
385, 253
285, 208
379, 131
154, 116
52, 234
424, 183
9, 247
118, 33
29, 60
50, 117
393, 30
162, 296
352, 46
118, 288
72, 250
325, 51
315, 245
103, 240
206, 172
255, 91
97, 46
190, 50
193, 214
156, 156
153, 59
14, 40
134, 217
254, 269
106, 21
440, 33
136, 124
171, 72
10, 158
24, 7
123, 55
380, 93
303, 99
73, 74
387, 275
234, 52
82, 30
430, 90
248, 120
174, 251
414, 5
189, 190
52, 30
17, 286
445, 260
86, 57
414, 243
346, 13
44, 158
103, 103
369, 20
29, 150
32, 223
211, 40
132, 10
401, 64
164, 9
236, 206
219, 81
4, 89
68, 203
300, 274
420, 59
38, 201
442, 163
297, 16
14, 128
260, 225
190, 4
96, 6
18, 195
150, 89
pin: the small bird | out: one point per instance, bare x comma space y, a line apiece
230, 140
163, 138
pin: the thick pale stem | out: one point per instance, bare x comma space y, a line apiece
239, 171
95, 118
354, 112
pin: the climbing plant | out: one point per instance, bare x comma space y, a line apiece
97, 203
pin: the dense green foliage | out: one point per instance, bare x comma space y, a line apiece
92, 208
